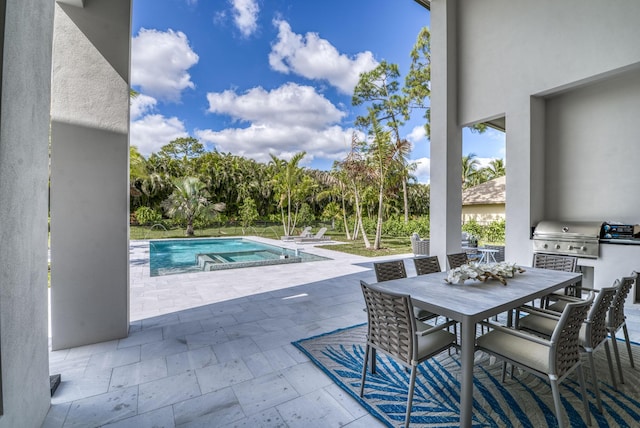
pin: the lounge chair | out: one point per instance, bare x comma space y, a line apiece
306, 232
318, 237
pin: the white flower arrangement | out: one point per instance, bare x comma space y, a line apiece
481, 272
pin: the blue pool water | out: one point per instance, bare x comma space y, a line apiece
175, 256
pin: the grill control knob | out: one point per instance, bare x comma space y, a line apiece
557, 246
545, 246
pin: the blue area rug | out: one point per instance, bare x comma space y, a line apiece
524, 401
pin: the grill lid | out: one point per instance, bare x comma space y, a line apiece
579, 230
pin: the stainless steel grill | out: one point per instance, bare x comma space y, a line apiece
573, 238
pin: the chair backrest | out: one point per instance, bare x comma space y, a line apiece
392, 326
564, 352
320, 233
386, 271
305, 231
616, 317
499, 256
555, 262
420, 246
457, 259
426, 265
596, 323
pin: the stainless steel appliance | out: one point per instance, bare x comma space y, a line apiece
572, 238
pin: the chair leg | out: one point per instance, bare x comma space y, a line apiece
594, 379
583, 391
504, 371
613, 375
616, 354
412, 384
364, 370
372, 356
626, 338
556, 401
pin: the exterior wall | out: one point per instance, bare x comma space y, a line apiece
89, 173
24, 137
483, 214
534, 63
592, 161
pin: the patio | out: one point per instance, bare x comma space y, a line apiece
201, 353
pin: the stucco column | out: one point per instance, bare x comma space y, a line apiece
446, 134
525, 148
25, 67
89, 173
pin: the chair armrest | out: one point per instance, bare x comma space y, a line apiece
516, 333
545, 313
435, 328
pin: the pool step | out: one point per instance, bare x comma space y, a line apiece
212, 262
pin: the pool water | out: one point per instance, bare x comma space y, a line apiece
176, 256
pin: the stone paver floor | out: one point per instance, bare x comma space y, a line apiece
214, 349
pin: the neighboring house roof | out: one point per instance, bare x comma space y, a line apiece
487, 193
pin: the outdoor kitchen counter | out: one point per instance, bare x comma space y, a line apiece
615, 261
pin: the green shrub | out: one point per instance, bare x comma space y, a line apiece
146, 216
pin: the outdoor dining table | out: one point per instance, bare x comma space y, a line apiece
475, 301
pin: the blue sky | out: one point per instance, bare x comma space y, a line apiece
254, 77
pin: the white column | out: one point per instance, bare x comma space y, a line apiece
26, 28
89, 173
446, 134
525, 189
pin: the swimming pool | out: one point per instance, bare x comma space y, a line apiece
176, 256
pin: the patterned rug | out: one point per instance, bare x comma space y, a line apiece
524, 401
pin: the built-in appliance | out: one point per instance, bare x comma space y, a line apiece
573, 238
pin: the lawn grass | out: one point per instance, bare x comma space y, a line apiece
390, 245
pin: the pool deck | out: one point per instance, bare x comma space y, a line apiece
214, 349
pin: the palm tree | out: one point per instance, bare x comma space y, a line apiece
286, 178
496, 169
189, 201
469, 169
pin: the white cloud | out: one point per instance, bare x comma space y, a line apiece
423, 170
245, 16
417, 133
258, 141
159, 63
153, 131
317, 59
290, 104
141, 105
282, 121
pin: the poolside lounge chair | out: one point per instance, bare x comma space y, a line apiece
318, 237
306, 232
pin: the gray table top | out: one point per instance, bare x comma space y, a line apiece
475, 300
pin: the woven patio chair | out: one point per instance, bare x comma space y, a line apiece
593, 333
555, 358
393, 330
555, 262
617, 320
427, 265
457, 259
419, 246
394, 269
499, 256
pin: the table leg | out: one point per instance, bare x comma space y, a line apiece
468, 339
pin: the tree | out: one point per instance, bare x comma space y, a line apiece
248, 213
382, 154
496, 169
287, 180
469, 170
189, 201
388, 105
184, 150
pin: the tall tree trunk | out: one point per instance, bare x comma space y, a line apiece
359, 225
344, 219
376, 242
406, 199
